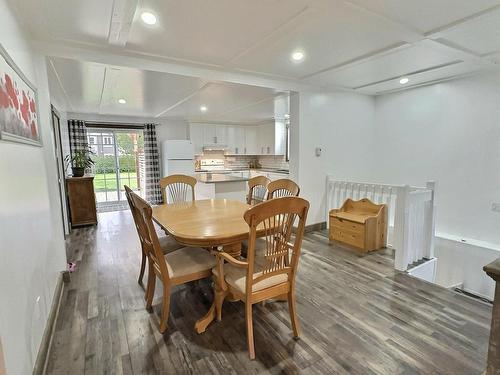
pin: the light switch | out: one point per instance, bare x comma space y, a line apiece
318, 151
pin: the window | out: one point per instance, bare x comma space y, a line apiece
107, 140
91, 140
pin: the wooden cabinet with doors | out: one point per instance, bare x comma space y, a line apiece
81, 200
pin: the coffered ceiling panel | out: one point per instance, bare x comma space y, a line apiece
426, 15
394, 64
458, 69
480, 35
96, 88
328, 36
228, 101
346, 43
210, 31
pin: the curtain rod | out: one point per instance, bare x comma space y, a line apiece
113, 125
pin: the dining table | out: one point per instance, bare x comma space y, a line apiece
214, 224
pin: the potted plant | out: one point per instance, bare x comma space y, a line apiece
80, 160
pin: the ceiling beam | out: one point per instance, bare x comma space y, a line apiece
59, 82
120, 57
441, 31
122, 17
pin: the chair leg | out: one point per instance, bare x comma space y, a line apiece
220, 295
249, 321
143, 266
150, 288
165, 309
293, 313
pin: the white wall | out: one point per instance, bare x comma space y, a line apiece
448, 132
342, 125
31, 230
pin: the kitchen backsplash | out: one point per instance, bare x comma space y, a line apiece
243, 161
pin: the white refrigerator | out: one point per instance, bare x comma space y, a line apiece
177, 157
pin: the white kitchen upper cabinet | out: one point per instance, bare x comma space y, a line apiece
209, 134
221, 134
214, 134
235, 137
266, 139
279, 138
196, 137
251, 140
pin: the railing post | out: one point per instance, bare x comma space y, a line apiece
401, 223
328, 200
432, 185
493, 364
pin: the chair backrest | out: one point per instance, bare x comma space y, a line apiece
257, 189
276, 218
176, 188
282, 188
128, 194
148, 235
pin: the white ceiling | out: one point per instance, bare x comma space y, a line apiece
88, 87
360, 45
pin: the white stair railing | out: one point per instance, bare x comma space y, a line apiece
410, 210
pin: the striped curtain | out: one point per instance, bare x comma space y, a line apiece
152, 165
77, 135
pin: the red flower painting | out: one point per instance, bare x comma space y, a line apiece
18, 104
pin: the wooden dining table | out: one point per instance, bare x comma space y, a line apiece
215, 224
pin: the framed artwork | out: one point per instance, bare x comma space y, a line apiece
19, 121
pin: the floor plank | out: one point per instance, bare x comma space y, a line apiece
357, 314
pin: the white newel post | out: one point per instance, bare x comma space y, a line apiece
431, 217
401, 228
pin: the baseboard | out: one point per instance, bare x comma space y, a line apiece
48, 334
315, 227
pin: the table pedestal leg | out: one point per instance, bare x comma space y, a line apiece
215, 310
233, 249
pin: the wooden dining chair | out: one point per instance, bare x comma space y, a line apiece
177, 188
260, 278
179, 267
167, 243
282, 188
257, 189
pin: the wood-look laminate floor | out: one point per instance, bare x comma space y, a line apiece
357, 316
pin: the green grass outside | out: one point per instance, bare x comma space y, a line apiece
107, 181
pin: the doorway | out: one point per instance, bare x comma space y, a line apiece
61, 175
118, 161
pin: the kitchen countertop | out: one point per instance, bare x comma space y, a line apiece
270, 170
210, 178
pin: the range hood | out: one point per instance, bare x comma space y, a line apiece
215, 148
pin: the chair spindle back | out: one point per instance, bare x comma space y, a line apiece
257, 189
282, 188
276, 218
177, 188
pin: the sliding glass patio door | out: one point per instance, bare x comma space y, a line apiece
118, 157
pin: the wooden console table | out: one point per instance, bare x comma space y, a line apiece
81, 200
493, 364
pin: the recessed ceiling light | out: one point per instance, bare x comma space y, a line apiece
298, 56
122, 101
148, 18
203, 108
403, 80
